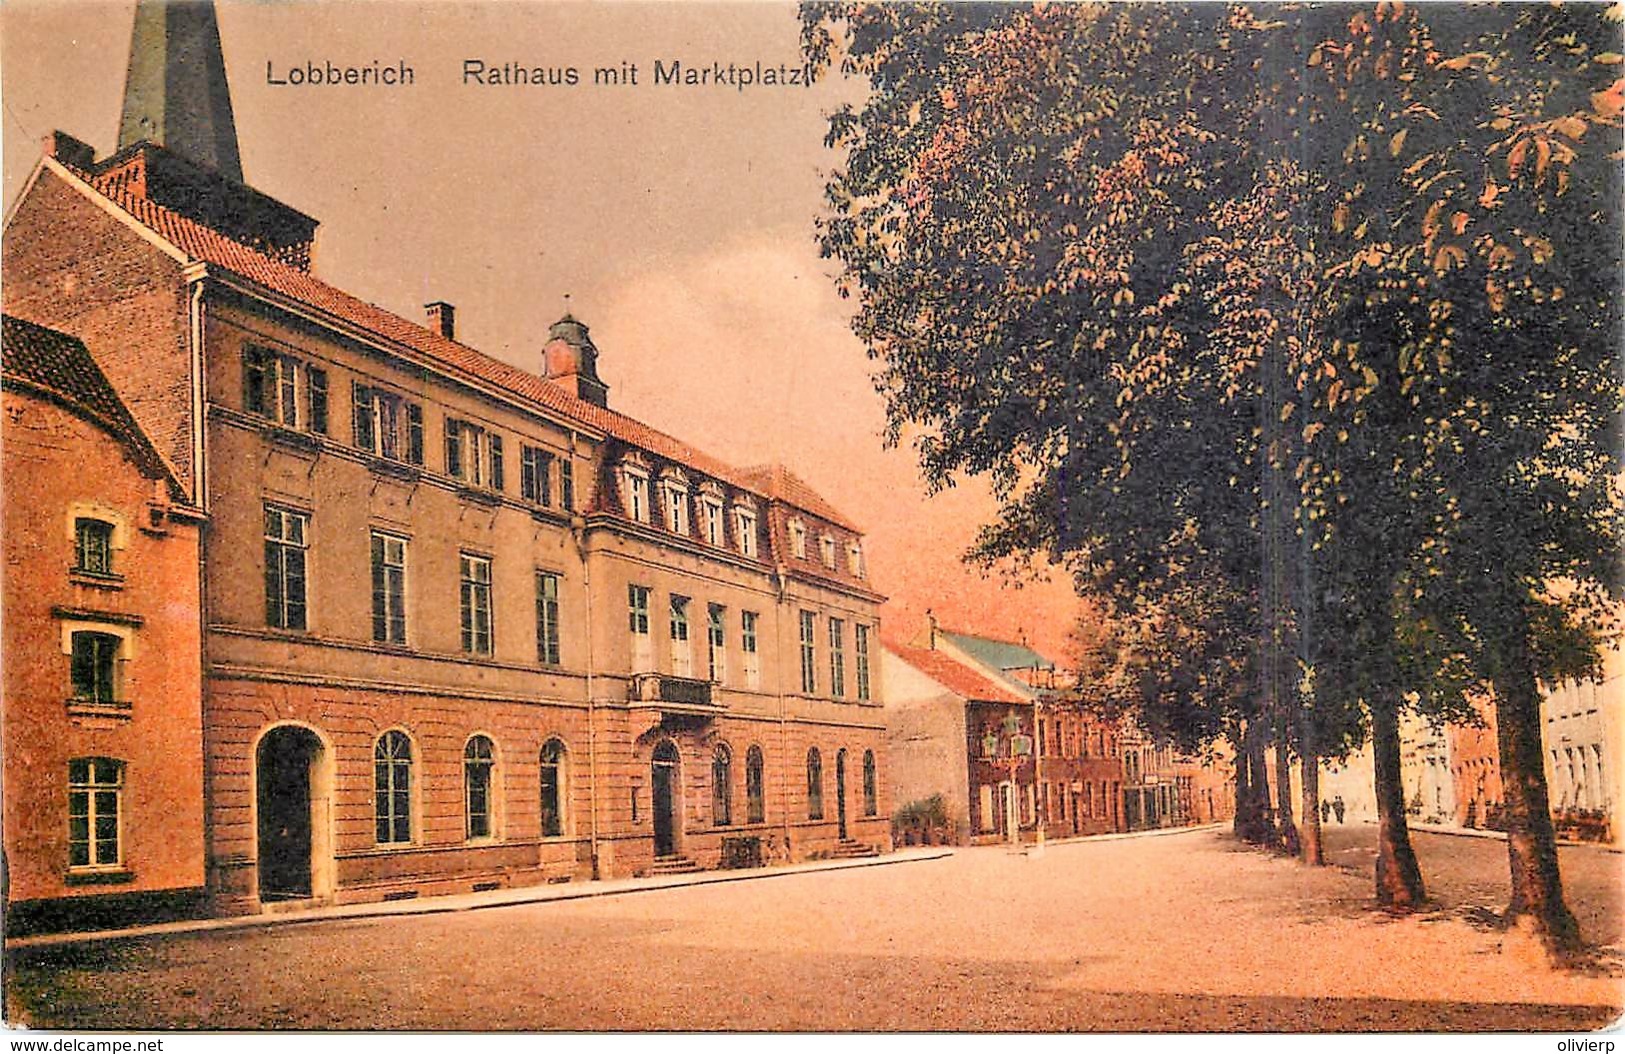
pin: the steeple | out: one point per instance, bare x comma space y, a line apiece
175, 93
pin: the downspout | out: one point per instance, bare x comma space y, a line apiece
781, 583
195, 276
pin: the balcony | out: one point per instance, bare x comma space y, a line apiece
666, 688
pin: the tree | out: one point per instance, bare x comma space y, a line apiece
1204, 291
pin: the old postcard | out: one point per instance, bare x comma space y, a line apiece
984, 517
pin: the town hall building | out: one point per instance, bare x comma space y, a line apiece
450, 624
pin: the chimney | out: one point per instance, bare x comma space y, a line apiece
70, 151
442, 318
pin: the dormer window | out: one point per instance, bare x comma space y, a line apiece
798, 539
826, 551
635, 490
745, 529
711, 514
674, 499
854, 559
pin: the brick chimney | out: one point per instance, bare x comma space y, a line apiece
442, 318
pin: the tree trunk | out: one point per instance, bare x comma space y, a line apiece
1286, 830
1310, 850
1242, 824
1264, 822
1399, 878
1537, 887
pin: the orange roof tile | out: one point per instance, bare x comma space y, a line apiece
210, 246
781, 484
956, 676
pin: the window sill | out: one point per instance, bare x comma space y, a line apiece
95, 579
284, 436
479, 495
392, 469
119, 708
105, 876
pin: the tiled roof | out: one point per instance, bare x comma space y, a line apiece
956, 676
780, 484
61, 366
202, 243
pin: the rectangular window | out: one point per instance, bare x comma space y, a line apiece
535, 470
837, 657
682, 658
753, 665
94, 669
567, 485
316, 398
716, 641
494, 442
637, 607
95, 793
270, 385
388, 588
465, 445
745, 531
547, 618
860, 634
285, 550
637, 497
809, 671
93, 546
676, 509
713, 522
414, 434
476, 603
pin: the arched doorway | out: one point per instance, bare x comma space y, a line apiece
291, 798
840, 791
663, 790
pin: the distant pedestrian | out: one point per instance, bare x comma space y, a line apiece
1325, 812
1337, 807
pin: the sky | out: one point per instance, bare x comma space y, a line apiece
678, 219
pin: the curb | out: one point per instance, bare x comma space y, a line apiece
461, 902
1500, 836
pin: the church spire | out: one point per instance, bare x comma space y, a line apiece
175, 93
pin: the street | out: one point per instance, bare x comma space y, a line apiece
1181, 932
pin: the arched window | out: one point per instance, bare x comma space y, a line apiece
392, 787
815, 785
871, 790
755, 800
553, 761
721, 786
479, 762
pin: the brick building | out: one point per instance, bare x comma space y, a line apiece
101, 729
464, 625
954, 700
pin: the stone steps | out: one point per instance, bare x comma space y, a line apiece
671, 865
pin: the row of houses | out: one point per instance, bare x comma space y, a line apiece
1451, 773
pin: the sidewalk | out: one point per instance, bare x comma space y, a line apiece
1479, 832
497, 898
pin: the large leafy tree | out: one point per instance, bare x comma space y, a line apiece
1267, 322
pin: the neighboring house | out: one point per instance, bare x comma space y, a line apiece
102, 728
954, 700
467, 626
